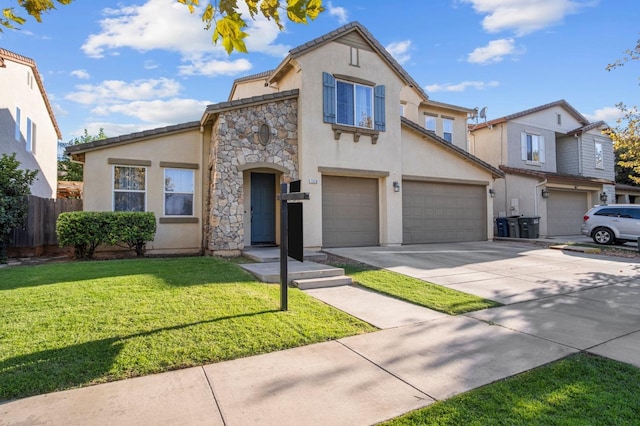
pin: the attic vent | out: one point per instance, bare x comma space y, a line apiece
355, 57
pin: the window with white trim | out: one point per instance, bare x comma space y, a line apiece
31, 136
17, 130
178, 192
354, 104
599, 155
447, 129
351, 103
430, 123
129, 188
532, 148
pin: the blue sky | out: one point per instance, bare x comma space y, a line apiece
141, 64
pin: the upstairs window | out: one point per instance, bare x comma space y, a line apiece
599, 155
129, 188
31, 136
353, 104
17, 130
178, 192
532, 148
447, 129
430, 123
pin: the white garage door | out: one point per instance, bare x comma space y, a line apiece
441, 212
349, 212
565, 210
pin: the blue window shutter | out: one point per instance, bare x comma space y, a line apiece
379, 114
329, 97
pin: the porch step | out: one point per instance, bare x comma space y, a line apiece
270, 272
272, 254
309, 283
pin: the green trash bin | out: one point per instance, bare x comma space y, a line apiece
529, 227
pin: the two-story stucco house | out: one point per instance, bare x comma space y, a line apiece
27, 124
557, 165
382, 162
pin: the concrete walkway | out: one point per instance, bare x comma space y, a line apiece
560, 304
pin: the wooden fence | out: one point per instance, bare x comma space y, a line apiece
38, 236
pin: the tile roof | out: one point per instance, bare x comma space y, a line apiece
7, 55
588, 127
556, 177
132, 137
451, 147
244, 102
581, 118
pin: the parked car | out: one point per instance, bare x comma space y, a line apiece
612, 224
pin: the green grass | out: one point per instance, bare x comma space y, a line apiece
579, 390
73, 324
416, 291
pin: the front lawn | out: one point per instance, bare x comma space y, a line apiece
73, 324
578, 390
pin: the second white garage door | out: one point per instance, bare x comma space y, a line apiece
349, 211
442, 212
565, 210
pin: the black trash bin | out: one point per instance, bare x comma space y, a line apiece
502, 226
529, 227
514, 227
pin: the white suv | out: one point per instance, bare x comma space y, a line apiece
611, 224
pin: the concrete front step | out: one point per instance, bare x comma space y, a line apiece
272, 254
323, 282
270, 272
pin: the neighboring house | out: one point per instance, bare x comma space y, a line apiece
627, 194
340, 115
557, 165
27, 124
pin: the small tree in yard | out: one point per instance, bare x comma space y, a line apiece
14, 186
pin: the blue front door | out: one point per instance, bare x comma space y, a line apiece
263, 208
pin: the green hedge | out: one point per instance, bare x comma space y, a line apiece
87, 230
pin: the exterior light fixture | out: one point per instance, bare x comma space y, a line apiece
492, 192
545, 193
396, 186
603, 197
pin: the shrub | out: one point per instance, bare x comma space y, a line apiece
133, 230
87, 230
83, 230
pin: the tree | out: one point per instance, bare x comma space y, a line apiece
68, 170
228, 23
626, 143
14, 186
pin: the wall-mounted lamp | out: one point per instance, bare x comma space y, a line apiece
545, 193
492, 192
603, 197
396, 186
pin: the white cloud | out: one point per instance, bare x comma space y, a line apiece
113, 91
608, 114
494, 51
400, 50
461, 87
158, 111
81, 74
213, 67
524, 16
339, 12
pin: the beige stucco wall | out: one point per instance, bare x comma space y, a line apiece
459, 123
18, 88
185, 147
319, 148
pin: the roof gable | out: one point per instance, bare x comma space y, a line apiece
561, 103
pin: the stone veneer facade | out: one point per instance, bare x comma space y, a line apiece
235, 147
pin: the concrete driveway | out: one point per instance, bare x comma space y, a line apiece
582, 301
